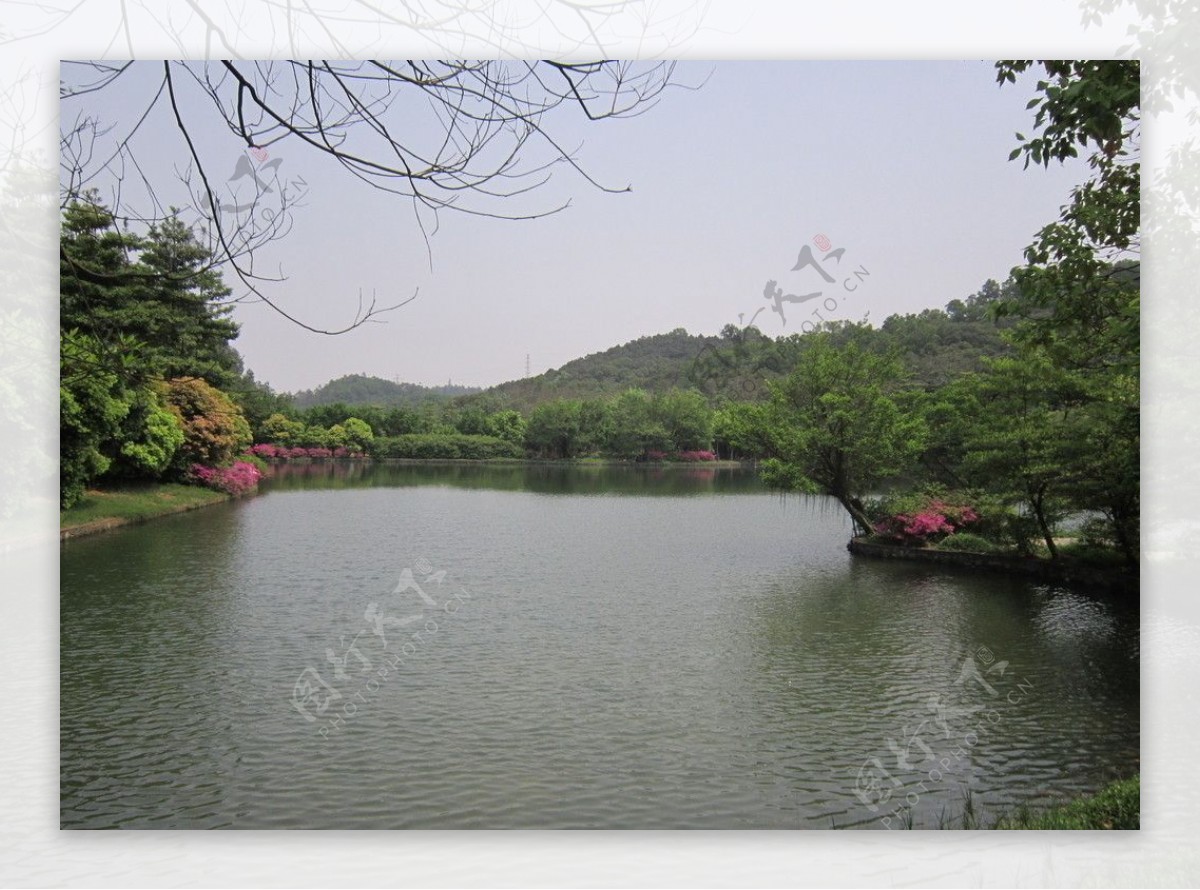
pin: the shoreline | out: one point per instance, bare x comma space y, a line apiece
1058, 571
518, 461
197, 497
140, 503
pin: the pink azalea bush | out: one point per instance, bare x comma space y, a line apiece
928, 524
239, 478
268, 451
693, 456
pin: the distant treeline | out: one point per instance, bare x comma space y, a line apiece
361, 389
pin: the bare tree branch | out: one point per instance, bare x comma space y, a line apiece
471, 137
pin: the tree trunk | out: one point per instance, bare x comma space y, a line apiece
1043, 526
854, 507
1120, 522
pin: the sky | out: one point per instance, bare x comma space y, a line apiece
903, 165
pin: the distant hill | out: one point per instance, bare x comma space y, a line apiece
360, 389
655, 363
936, 345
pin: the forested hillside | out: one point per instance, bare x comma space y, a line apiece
655, 363
936, 345
361, 389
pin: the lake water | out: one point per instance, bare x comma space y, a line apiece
626, 647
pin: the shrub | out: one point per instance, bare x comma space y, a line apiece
268, 451
151, 434
1098, 533
214, 429
443, 446
656, 455
278, 428
880, 539
693, 456
1092, 554
965, 542
919, 519
257, 462
92, 407
240, 478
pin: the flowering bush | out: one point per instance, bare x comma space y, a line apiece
240, 478
283, 452
268, 451
925, 525
929, 523
958, 515
692, 456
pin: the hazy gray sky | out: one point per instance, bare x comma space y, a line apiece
902, 164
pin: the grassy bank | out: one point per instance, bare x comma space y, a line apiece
1116, 807
103, 509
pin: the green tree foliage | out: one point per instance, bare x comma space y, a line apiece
96, 278
399, 422
687, 419
738, 430
182, 315
655, 364
92, 404
508, 425
150, 435
358, 434
326, 415
335, 437
281, 430
553, 429
157, 289
1078, 297
835, 425
595, 416
634, 426
444, 446
737, 365
134, 308
257, 400
938, 346
471, 420
362, 389
314, 436
1023, 439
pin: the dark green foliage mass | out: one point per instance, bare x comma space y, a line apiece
361, 389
